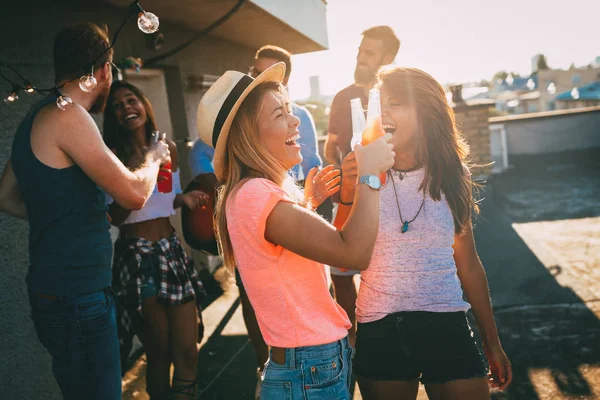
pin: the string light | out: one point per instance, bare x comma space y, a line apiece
62, 101
575, 93
188, 143
88, 83
29, 89
12, 96
531, 84
551, 88
510, 80
147, 22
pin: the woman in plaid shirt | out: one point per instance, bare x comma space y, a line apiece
158, 289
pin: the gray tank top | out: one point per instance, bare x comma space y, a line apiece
412, 271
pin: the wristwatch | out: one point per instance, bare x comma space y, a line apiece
370, 180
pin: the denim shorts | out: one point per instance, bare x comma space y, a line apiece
80, 333
404, 346
149, 271
320, 372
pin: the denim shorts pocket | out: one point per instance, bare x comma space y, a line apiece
332, 389
274, 390
147, 269
323, 372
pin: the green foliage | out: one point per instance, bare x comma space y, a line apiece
501, 75
320, 114
541, 63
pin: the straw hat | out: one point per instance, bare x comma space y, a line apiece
220, 103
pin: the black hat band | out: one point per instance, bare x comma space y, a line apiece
228, 104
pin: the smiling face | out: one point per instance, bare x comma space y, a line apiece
129, 110
399, 117
278, 129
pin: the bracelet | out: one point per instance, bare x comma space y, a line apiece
341, 202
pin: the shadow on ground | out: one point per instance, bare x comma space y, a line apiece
551, 336
227, 364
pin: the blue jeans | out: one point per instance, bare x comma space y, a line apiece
310, 373
80, 333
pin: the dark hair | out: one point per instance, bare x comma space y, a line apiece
270, 51
441, 149
115, 137
391, 43
76, 48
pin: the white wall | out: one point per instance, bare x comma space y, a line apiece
563, 132
308, 17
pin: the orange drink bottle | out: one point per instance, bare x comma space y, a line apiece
374, 128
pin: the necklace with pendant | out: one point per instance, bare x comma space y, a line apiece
405, 223
403, 173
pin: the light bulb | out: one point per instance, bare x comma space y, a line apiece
88, 83
531, 84
188, 143
63, 102
551, 88
29, 89
147, 22
11, 97
575, 93
510, 80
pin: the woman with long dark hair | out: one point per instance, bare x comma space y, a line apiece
410, 308
157, 286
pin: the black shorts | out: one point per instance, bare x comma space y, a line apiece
432, 347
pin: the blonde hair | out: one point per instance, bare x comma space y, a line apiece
247, 158
441, 149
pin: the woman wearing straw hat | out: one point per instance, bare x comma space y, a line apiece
266, 227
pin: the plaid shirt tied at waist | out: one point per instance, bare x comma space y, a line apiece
179, 282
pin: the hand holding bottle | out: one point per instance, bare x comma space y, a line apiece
159, 151
376, 157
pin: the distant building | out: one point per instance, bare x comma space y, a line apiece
538, 92
534, 62
555, 81
515, 95
578, 97
315, 88
516, 84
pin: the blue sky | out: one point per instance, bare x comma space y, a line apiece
455, 41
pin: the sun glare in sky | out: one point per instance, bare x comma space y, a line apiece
455, 41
